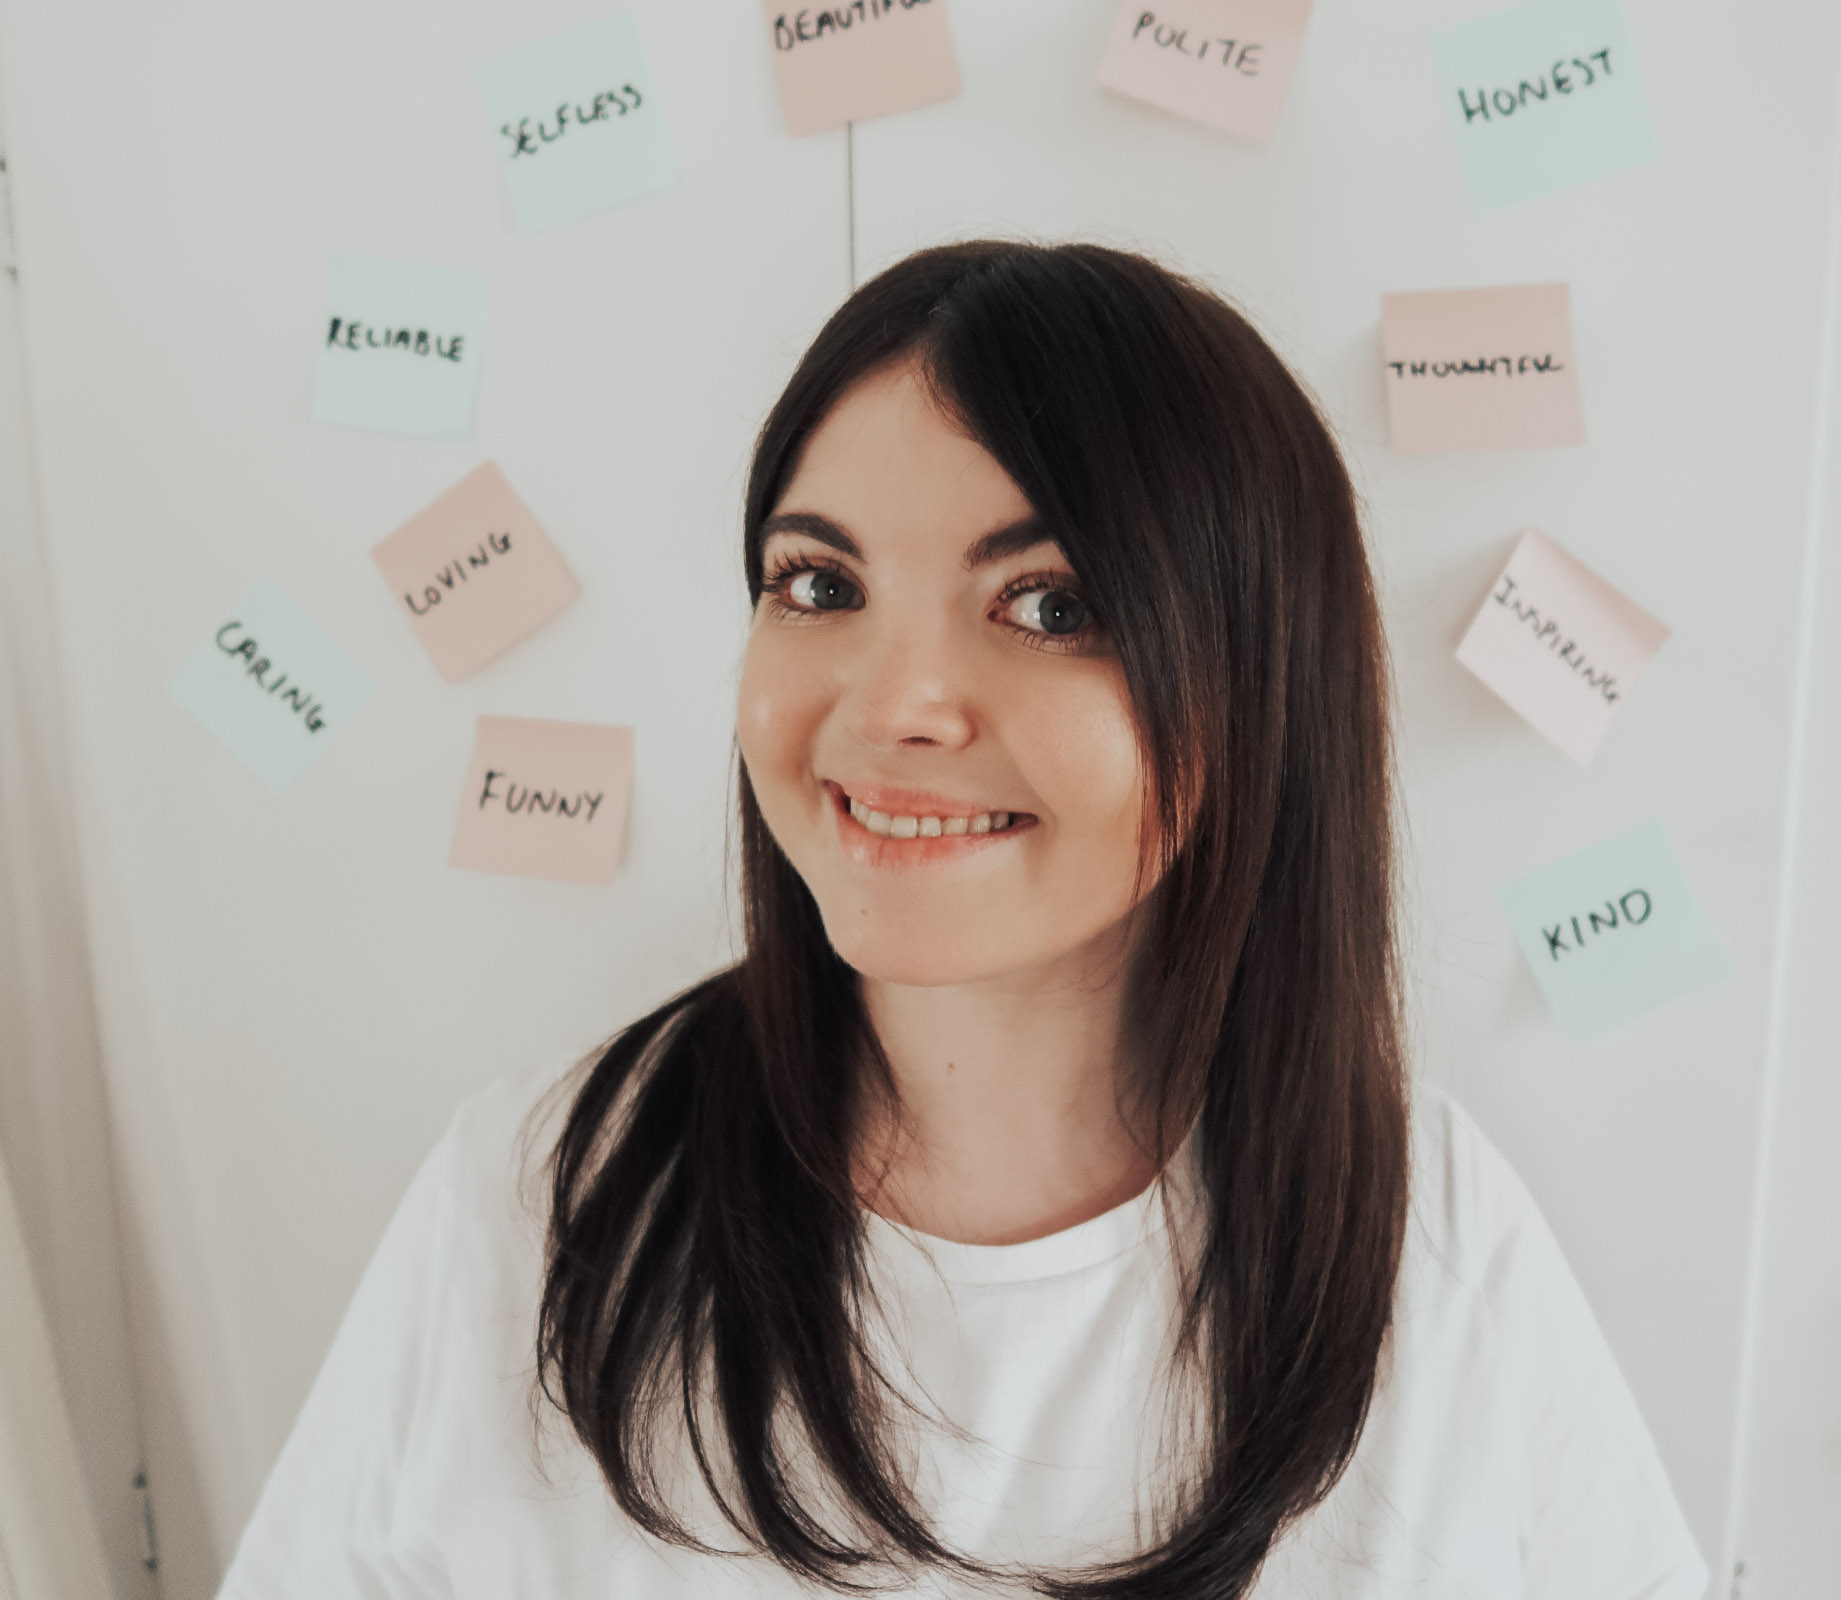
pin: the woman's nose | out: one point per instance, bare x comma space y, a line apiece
909, 687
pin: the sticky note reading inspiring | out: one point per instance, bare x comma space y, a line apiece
859, 59
271, 685
1545, 95
577, 124
1225, 63
1481, 369
1613, 931
402, 347
545, 800
1560, 645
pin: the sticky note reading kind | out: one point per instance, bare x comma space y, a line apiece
545, 800
859, 58
1613, 931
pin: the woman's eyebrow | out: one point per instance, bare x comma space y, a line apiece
1010, 540
813, 526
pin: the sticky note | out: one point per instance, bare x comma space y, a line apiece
545, 800
271, 685
1224, 63
401, 348
1613, 931
859, 59
1544, 95
1481, 369
577, 124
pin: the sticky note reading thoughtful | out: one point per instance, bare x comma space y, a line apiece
271, 686
1544, 95
545, 800
1225, 63
402, 347
859, 59
1613, 931
577, 124
1560, 645
1481, 369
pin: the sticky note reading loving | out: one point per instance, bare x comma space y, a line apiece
1545, 95
402, 347
577, 124
271, 685
1613, 931
545, 800
1225, 63
1481, 369
859, 58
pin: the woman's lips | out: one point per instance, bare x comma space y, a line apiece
893, 827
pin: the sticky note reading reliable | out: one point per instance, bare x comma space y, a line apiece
545, 800
1613, 931
859, 59
1224, 63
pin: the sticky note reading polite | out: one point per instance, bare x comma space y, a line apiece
858, 59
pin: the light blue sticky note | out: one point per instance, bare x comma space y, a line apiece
401, 347
1545, 95
271, 685
1613, 931
577, 125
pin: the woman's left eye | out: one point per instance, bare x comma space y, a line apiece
1054, 612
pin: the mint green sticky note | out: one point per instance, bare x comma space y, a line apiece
577, 125
1613, 931
1544, 95
271, 686
401, 347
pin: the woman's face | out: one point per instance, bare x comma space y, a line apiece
935, 728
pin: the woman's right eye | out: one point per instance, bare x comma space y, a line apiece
818, 590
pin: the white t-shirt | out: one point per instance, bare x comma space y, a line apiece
1503, 1456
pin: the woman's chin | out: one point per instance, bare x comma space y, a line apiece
916, 959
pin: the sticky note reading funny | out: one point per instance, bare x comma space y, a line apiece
1223, 63
1544, 96
1481, 369
858, 59
545, 800
1613, 931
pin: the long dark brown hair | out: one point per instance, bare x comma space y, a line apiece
703, 1304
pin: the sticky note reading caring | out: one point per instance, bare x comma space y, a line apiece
857, 59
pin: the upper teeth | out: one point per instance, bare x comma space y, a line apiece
880, 822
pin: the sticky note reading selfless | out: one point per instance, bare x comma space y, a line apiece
271, 685
859, 59
1560, 645
402, 347
1481, 369
577, 124
1544, 95
1613, 931
545, 800
1224, 63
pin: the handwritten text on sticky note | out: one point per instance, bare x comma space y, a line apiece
859, 59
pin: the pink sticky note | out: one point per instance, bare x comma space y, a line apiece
545, 800
1481, 369
1560, 645
1225, 63
475, 573
858, 59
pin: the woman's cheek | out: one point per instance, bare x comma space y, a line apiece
1078, 749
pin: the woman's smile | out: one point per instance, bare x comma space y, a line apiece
887, 828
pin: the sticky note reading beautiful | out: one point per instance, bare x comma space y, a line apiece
1560, 645
1544, 95
1224, 63
859, 59
271, 685
1481, 369
402, 347
577, 124
1613, 931
545, 800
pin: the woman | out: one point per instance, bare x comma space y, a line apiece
1037, 1203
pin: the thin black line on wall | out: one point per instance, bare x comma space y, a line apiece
850, 200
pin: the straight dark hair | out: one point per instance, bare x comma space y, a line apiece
706, 1283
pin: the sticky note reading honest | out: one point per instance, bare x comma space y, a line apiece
1225, 63
1545, 95
577, 124
402, 347
1481, 369
545, 800
1560, 645
271, 686
1613, 931
858, 59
